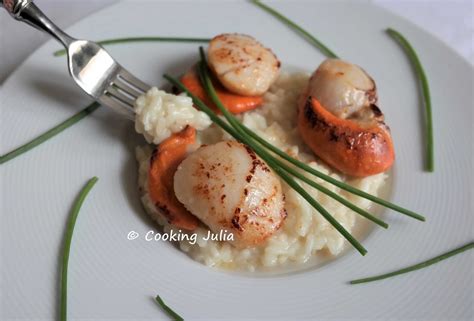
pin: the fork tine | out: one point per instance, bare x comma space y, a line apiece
114, 92
126, 88
132, 80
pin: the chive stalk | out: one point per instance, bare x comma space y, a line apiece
305, 34
425, 92
50, 133
140, 39
167, 309
67, 245
418, 266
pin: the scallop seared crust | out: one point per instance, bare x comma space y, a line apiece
228, 187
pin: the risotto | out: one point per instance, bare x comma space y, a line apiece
159, 114
305, 233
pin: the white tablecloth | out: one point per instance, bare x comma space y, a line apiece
450, 20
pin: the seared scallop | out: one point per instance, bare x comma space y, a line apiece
242, 64
339, 120
228, 187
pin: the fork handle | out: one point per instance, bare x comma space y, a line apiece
27, 11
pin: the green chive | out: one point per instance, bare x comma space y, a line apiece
305, 34
418, 266
425, 91
167, 309
140, 39
49, 134
67, 245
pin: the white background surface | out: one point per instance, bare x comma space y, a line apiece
451, 21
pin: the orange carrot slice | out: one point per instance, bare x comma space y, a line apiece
236, 104
163, 164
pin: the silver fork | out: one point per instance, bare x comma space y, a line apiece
91, 67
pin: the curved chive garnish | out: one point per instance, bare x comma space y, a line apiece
67, 245
50, 133
305, 34
167, 309
418, 266
425, 91
140, 39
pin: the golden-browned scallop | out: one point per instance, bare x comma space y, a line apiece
228, 187
339, 120
242, 64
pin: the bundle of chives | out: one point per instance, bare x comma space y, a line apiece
285, 171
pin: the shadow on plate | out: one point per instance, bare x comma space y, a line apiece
57, 86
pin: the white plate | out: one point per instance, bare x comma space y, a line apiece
111, 277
